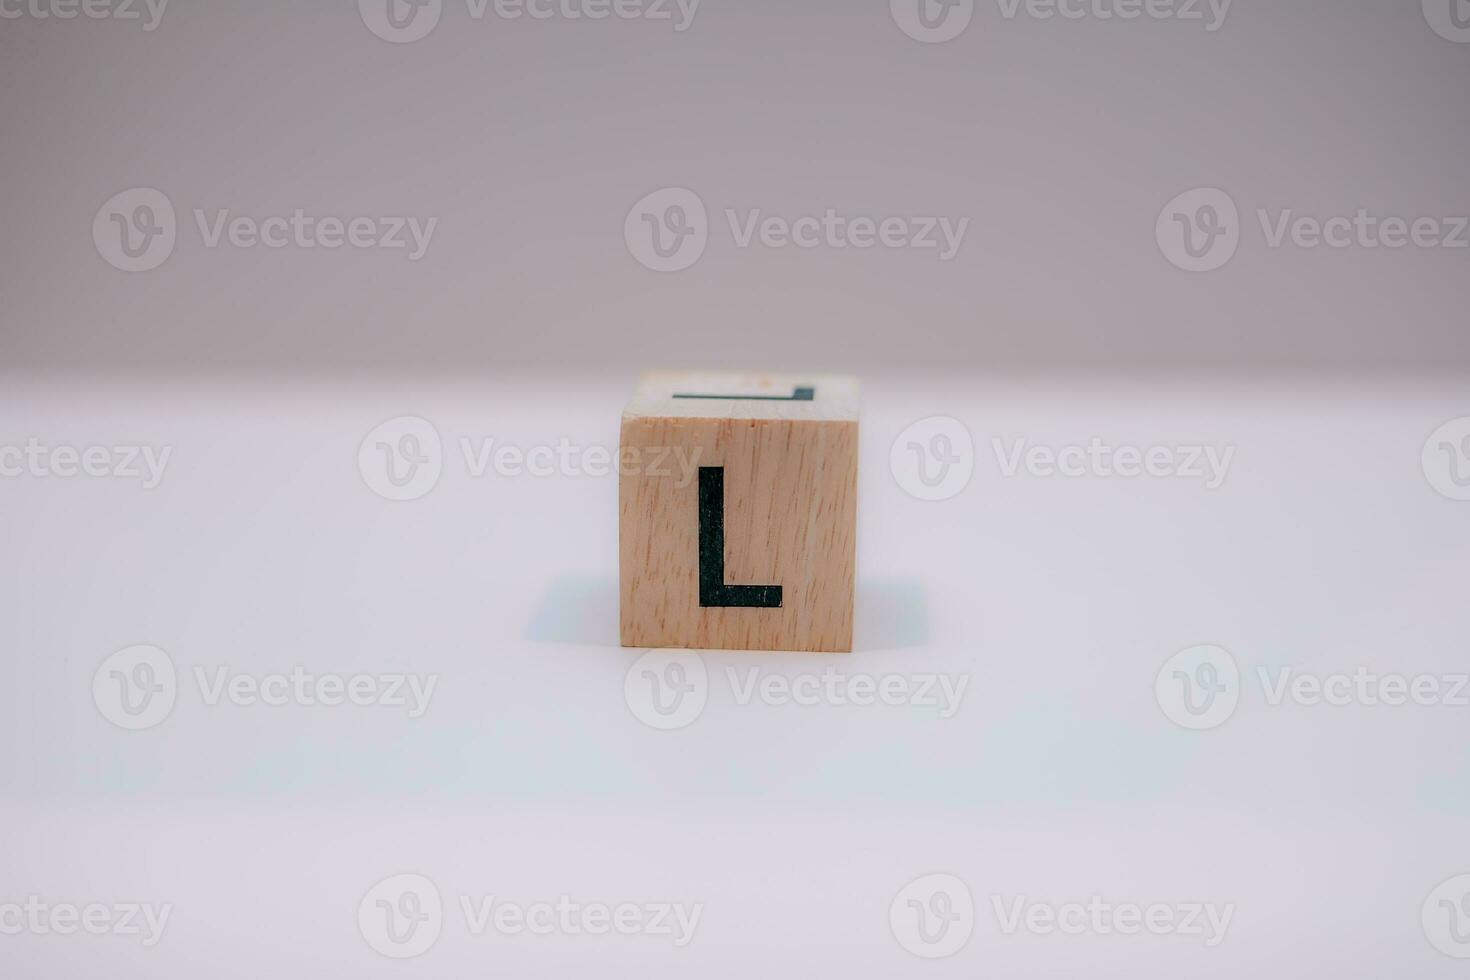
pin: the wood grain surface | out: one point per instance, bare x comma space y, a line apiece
790, 507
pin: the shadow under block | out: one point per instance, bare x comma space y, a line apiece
738, 512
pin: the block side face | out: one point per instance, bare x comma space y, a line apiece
789, 519
717, 395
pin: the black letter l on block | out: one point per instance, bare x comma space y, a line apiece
712, 588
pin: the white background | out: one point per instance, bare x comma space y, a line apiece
1060, 778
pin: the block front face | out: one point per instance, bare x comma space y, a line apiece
757, 497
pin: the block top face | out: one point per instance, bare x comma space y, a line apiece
735, 395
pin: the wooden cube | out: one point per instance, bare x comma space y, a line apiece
738, 512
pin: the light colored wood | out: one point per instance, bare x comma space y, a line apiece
790, 510
836, 397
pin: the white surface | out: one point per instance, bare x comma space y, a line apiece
529, 777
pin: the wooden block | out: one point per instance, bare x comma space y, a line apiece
745, 537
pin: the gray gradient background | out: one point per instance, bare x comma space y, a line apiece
530, 140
